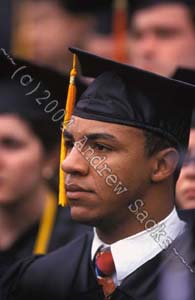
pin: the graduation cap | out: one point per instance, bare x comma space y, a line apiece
85, 6
126, 95
136, 5
35, 93
186, 75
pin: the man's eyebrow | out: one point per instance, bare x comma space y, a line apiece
91, 136
95, 136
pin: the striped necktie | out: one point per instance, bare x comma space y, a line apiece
105, 268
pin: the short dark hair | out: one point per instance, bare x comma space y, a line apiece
156, 142
47, 132
191, 9
192, 14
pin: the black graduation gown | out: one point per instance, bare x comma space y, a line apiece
65, 229
68, 274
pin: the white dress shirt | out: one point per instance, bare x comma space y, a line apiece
134, 251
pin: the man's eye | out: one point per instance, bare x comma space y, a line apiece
100, 147
12, 144
166, 33
136, 35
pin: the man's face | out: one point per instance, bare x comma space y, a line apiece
185, 188
162, 38
47, 31
22, 161
105, 170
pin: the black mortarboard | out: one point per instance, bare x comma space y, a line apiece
104, 21
105, 16
127, 95
6, 24
187, 75
35, 93
85, 6
140, 4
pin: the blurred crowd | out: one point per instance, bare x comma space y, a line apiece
158, 36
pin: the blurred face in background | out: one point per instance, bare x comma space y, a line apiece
162, 38
22, 161
46, 30
185, 188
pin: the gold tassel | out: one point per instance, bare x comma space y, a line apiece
68, 113
46, 225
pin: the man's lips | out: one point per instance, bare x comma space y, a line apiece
190, 192
74, 190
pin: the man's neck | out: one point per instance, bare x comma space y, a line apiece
140, 215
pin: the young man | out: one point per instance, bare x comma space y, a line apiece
123, 158
162, 34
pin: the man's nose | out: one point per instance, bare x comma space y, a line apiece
190, 168
75, 163
148, 45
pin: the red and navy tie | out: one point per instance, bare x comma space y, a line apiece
105, 268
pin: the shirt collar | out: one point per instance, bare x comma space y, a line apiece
132, 252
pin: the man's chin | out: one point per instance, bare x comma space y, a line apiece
189, 203
83, 218
84, 221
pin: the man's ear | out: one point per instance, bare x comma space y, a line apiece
165, 164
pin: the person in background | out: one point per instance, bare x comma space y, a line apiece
162, 35
46, 28
31, 112
185, 188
